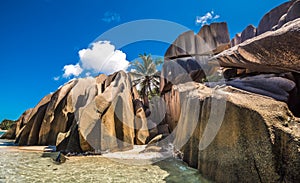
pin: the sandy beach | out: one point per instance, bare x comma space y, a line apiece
26, 164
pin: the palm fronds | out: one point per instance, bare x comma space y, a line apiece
146, 75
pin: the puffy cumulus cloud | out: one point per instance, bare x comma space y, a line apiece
209, 17
72, 70
102, 57
110, 16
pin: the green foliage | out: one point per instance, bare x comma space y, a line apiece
146, 75
7, 124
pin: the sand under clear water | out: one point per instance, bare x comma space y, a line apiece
26, 166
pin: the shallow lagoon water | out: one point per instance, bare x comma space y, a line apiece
21, 166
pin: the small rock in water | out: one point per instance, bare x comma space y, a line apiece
57, 157
177, 154
60, 158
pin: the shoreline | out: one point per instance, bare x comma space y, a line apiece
133, 156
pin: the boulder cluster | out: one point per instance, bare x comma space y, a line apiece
98, 114
238, 101
232, 106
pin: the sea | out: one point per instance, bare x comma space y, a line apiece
26, 166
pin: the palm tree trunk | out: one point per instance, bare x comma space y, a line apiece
146, 101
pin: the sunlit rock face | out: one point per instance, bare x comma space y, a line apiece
233, 135
274, 51
248, 33
86, 114
187, 57
210, 39
270, 20
241, 128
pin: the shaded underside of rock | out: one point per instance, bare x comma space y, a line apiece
265, 84
274, 51
178, 71
235, 136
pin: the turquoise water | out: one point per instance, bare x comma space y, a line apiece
1, 133
20, 166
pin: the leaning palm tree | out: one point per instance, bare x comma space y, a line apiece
146, 76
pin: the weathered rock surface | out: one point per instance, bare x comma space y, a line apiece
235, 136
186, 59
178, 71
273, 51
248, 33
89, 114
244, 133
213, 38
210, 39
293, 12
236, 40
265, 84
271, 19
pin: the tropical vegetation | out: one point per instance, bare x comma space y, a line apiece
146, 76
7, 124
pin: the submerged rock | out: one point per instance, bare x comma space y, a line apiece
56, 157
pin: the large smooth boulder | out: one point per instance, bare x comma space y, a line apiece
183, 45
211, 39
86, 114
236, 40
272, 18
181, 71
265, 84
293, 12
187, 57
231, 135
248, 33
274, 51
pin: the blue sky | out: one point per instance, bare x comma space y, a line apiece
39, 37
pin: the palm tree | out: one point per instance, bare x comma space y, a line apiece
146, 76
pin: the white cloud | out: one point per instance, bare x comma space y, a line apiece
56, 78
72, 70
87, 74
102, 57
209, 17
217, 16
110, 16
